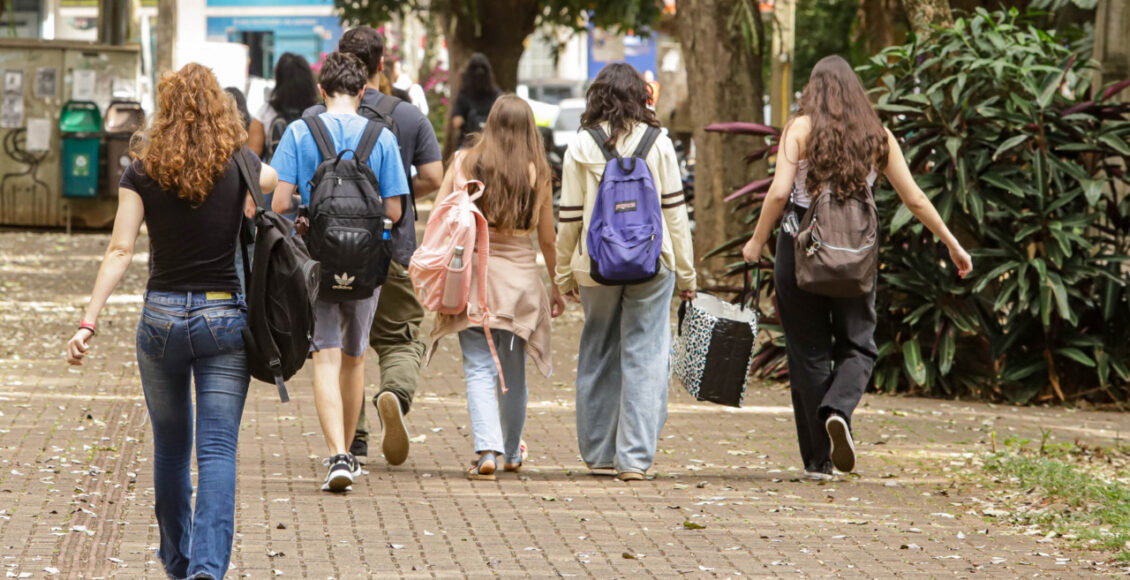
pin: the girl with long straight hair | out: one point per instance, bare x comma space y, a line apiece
184, 184
624, 365
837, 146
509, 158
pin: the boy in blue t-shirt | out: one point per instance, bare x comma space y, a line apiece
341, 330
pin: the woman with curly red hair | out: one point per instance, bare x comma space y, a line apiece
184, 184
837, 146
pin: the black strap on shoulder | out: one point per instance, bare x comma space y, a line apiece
368, 142
648, 140
321, 136
249, 177
387, 105
601, 139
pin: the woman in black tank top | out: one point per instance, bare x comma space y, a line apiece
184, 185
831, 339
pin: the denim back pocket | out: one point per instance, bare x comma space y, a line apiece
227, 327
152, 335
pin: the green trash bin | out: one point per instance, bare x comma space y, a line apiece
81, 126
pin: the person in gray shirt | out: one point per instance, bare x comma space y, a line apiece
396, 326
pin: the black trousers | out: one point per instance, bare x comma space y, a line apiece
831, 353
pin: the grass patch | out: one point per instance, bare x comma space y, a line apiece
1076, 491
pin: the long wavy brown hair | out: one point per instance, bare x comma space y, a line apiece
847, 141
192, 136
619, 97
501, 159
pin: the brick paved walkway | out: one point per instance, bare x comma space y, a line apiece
76, 499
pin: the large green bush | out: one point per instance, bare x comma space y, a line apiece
1026, 168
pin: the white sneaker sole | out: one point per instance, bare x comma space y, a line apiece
339, 482
394, 434
843, 448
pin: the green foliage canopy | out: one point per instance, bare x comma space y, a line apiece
611, 14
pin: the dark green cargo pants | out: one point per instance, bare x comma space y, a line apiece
395, 336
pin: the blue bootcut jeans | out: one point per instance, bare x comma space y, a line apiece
497, 420
182, 338
623, 371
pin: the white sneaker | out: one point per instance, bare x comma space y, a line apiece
339, 478
394, 433
818, 476
843, 448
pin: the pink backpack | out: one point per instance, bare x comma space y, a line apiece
455, 221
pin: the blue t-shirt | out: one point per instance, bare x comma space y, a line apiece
297, 156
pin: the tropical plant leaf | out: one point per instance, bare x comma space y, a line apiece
742, 128
1009, 144
752, 187
912, 359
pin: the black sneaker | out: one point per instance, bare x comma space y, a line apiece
359, 448
355, 466
843, 448
340, 476
394, 433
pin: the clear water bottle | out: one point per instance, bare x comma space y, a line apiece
453, 289
386, 233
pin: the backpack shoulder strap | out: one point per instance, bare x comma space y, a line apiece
249, 177
321, 136
387, 105
646, 143
368, 142
601, 139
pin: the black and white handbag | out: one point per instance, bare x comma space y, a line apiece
714, 345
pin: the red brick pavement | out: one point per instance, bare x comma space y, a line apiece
76, 497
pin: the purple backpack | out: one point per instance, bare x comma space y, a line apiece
626, 228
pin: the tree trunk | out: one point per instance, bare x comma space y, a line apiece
1112, 43
499, 33
725, 79
878, 25
166, 36
925, 14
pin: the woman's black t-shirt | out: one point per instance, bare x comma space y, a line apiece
191, 248
474, 109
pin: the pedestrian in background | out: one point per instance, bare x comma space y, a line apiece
341, 331
624, 364
477, 94
240, 105
395, 333
185, 186
837, 146
401, 80
295, 91
517, 201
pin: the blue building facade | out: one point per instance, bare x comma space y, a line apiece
272, 27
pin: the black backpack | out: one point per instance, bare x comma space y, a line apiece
281, 290
347, 218
275, 132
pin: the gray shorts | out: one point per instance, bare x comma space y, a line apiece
344, 325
